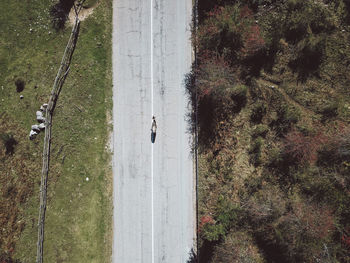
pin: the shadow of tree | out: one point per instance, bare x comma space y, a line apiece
59, 13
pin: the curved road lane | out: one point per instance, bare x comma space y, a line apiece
154, 200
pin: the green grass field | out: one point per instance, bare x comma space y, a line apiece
79, 212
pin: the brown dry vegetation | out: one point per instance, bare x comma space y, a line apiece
273, 114
18, 178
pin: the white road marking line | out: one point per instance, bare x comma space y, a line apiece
152, 143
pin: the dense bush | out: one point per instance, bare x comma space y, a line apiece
9, 142
294, 204
226, 216
20, 84
260, 130
286, 117
258, 112
238, 247
230, 32
239, 97
215, 78
255, 151
329, 111
336, 151
59, 13
302, 149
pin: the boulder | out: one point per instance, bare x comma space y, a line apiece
32, 134
36, 128
41, 126
40, 119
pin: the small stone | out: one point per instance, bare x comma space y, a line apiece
41, 126
32, 134
40, 119
87, 179
21, 97
36, 128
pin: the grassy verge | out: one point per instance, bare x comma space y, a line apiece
78, 217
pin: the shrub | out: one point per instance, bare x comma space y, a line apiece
9, 142
226, 216
255, 151
238, 247
230, 31
252, 41
220, 33
19, 85
239, 97
336, 151
305, 230
310, 56
305, 16
260, 130
286, 117
213, 232
329, 111
59, 13
258, 112
215, 78
301, 149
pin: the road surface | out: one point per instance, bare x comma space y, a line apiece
154, 215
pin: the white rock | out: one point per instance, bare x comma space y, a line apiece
41, 126
87, 179
32, 134
21, 96
36, 128
40, 119
39, 113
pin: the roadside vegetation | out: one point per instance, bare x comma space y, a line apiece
79, 209
272, 87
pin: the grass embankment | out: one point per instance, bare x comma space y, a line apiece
78, 216
274, 138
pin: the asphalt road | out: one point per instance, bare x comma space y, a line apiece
154, 200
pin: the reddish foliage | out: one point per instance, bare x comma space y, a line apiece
303, 149
345, 239
216, 11
253, 40
214, 75
312, 219
246, 12
207, 219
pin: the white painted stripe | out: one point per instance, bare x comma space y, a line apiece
152, 143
